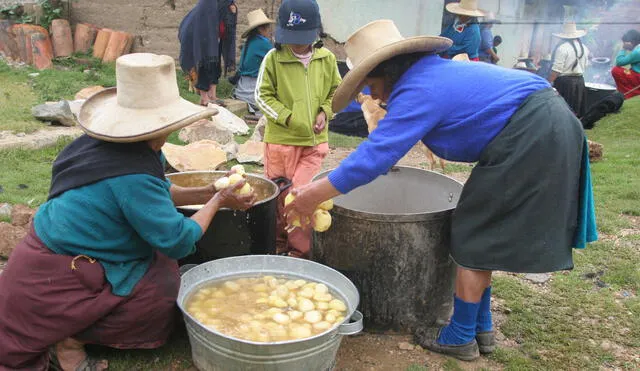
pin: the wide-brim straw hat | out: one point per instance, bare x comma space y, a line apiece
466, 7
570, 31
490, 18
145, 104
463, 57
256, 19
373, 44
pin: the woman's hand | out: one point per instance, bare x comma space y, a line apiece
228, 198
321, 122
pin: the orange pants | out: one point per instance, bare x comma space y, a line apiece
300, 165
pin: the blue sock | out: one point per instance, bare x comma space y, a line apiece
484, 323
462, 329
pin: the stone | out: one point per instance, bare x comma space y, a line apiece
230, 121
59, 112
201, 155
539, 278
606, 345
10, 236
206, 130
231, 149
89, 91
406, 346
251, 152
595, 151
75, 106
258, 131
21, 215
5, 210
237, 107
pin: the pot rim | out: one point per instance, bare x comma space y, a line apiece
351, 311
396, 217
253, 175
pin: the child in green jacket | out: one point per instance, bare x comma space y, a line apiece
295, 87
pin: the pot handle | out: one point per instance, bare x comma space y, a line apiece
283, 183
354, 326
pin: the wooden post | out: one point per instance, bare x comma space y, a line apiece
61, 38
42, 51
84, 37
8, 43
117, 45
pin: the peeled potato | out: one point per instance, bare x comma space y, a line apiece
221, 183
321, 221
231, 286
307, 293
321, 288
293, 303
305, 305
337, 305
245, 190
282, 291
261, 287
238, 169
321, 326
235, 178
290, 197
322, 297
330, 318
281, 318
327, 205
300, 332
322, 305
313, 316
295, 315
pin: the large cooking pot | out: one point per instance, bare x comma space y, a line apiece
234, 233
596, 92
391, 239
214, 351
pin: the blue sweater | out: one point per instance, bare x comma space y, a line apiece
486, 42
252, 55
121, 222
629, 58
467, 41
455, 108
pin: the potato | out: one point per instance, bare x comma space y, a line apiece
291, 285
334, 312
235, 178
282, 291
322, 305
313, 316
322, 297
272, 311
305, 305
281, 318
293, 303
221, 183
295, 315
337, 305
289, 199
256, 325
307, 293
339, 319
300, 283
321, 326
327, 205
245, 190
278, 333
238, 169
321, 288
331, 318
262, 301
321, 220
310, 285
300, 332
219, 294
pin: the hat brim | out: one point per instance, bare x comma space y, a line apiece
253, 27
102, 118
353, 81
576, 35
299, 37
455, 8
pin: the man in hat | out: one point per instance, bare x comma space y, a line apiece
570, 59
102, 251
464, 31
257, 45
508, 218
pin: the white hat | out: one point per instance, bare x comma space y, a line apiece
256, 19
463, 57
373, 44
465, 7
570, 31
145, 104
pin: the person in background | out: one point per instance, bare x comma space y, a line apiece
497, 40
257, 45
570, 59
99, 264
464, 32
487, 51
628, 79
207, 33
350, 121
295, 86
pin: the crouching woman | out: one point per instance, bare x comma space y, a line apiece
99, 263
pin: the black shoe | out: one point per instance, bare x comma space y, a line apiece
486, 341
428, 338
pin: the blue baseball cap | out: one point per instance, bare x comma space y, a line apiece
299, 22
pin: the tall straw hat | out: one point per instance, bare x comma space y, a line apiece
465, 7
373, 44
256, 19
570, 31
145, 103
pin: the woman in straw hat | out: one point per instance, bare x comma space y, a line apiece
464, 31
99, 263
519, 209
258, 44
570, 59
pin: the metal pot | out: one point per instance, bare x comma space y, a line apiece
391, 239
597, 92
234, 233
213, 351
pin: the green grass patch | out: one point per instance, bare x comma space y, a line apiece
16, 100
343, 141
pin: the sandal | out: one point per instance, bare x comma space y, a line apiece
88, 364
